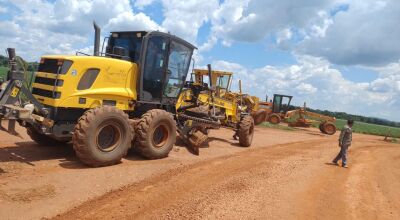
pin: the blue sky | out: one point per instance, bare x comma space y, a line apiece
339, 55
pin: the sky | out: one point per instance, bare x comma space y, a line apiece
338, 55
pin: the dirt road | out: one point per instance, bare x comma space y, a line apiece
284, 175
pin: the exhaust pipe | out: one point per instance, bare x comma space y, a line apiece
12, 61
96, 51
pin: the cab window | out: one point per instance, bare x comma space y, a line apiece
178, 65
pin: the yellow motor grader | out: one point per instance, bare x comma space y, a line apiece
105, 103
222, 81
216, 106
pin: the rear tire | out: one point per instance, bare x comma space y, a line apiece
155, 134
329, 128
260, 116
42, 139
246, 131
274, 119
321, 127
102, 136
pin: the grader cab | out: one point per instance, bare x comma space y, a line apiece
119, 98
275, 109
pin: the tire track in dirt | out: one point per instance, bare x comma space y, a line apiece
369, 193
194, 191
284, 181
355, 193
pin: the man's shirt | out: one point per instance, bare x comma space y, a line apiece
346, 136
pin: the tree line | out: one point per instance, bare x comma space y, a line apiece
29, 66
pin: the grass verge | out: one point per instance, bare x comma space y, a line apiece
3, 71
278, 126
365, 128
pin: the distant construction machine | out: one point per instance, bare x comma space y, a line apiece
277, 110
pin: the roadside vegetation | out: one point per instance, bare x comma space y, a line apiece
359, 127
366, 128
3, 71
278, 126
29, 68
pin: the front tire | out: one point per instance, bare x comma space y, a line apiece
102, 136
155, 134
260, 116
246, 131
329, 128
274, 119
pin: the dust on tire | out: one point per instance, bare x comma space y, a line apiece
246, 131
93, 151
155, 134
274, 119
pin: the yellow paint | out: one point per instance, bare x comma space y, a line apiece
14, 91
116, 81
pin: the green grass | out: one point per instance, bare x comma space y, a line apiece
359, 127
3, 71
365, 128
278, 126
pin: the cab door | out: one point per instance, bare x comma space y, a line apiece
178, 66
153, 67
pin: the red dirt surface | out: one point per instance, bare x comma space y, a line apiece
283, 175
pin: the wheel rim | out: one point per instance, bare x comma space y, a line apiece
160, 135
108, 137
274, 120
329, 129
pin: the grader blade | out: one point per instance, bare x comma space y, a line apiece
196, 140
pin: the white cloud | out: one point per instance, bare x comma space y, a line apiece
184, 18
62, 27
253, 20
129, 21
366, 34
306, 89
9, 28
141, 4
283, 35
3, 9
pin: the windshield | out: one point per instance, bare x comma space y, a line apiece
223, 81
178, 65
131, 42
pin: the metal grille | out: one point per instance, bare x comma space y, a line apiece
49, 66
49, 81
46, 93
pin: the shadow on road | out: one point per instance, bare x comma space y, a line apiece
28, 152
236, 143
331, 164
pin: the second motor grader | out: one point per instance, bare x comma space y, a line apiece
204, 106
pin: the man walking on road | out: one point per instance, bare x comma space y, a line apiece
345, 139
